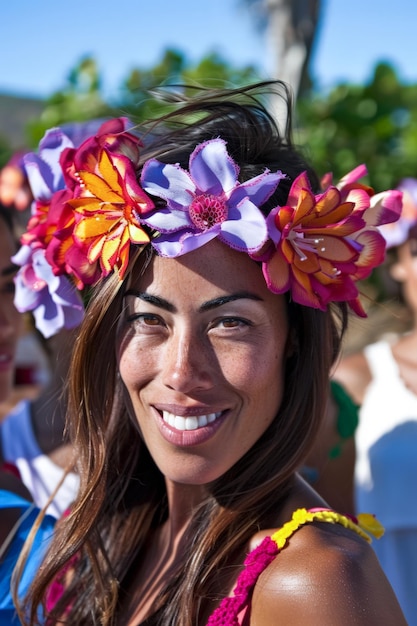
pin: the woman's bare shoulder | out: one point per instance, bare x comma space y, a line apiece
325, 575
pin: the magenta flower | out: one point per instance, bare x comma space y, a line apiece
53, 300
207, 202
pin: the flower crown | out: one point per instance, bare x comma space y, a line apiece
89, 207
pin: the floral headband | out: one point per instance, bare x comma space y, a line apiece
89, 207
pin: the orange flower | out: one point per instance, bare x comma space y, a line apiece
104, 202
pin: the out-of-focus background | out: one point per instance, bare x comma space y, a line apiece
351, 65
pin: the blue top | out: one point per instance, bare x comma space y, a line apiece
29, 511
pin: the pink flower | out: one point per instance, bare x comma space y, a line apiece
321, 244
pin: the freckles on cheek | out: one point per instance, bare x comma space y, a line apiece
135, 364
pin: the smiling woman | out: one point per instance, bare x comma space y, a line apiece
218, 275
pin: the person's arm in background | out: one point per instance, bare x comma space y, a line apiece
330, 465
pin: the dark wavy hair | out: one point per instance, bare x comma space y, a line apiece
122, 496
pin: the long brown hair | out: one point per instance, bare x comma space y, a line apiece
122, 495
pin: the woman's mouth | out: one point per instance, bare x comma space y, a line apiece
189, 429
192, 422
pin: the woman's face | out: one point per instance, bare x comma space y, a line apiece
10, 319
202, 356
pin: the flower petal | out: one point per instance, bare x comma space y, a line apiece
385, 208
277, 273
247, 230
43, 170
188, 242
372, 254
169, 182
258, 189
212, 169
168, 220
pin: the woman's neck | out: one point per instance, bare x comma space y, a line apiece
182, 502
162, 556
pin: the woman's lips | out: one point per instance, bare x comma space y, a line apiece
191, 429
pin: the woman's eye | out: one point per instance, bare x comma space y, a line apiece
231, 322
144, 319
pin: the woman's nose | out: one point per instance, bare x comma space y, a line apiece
187, 364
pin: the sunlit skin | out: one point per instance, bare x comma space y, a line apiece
205, 336
10, 319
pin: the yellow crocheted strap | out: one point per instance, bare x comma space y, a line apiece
370, 524
367, 524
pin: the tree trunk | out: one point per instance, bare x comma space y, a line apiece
291, 28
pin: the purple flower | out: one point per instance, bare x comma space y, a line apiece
44, 170
55, 303
54, 300
207, 202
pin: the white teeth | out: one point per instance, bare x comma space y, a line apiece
189, 423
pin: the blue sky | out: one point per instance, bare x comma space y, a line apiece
42, 40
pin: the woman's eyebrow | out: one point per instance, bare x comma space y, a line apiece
155, 300
206, 306
216, 302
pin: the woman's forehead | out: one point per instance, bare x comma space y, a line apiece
212, 264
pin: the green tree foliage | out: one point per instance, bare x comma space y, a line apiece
81, 98
5, 151
375, 124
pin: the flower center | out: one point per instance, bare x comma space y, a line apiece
300, 242
207, 210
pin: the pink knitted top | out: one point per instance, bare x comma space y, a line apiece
234, 610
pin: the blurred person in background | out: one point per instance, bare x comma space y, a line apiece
33, 453
377, 469
32, 407
32, 430
32, 435
10, 329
